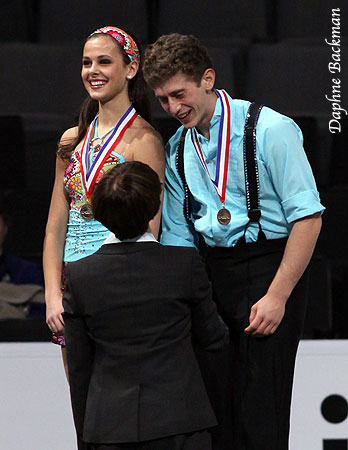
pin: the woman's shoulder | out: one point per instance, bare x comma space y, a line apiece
145, 133
67, 143
69, 135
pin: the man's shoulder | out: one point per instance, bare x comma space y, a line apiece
269, 117
240, 104
274, 124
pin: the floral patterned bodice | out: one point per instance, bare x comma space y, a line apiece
73, 178
83, 237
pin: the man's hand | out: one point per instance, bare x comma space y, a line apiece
265, 316
267, 313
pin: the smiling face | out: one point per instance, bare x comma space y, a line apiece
104, 73
193, 105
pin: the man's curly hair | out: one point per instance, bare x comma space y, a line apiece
172, 54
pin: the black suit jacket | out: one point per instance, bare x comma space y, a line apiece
129, 310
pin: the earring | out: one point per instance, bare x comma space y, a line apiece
129, 77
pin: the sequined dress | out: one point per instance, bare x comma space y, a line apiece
83, 238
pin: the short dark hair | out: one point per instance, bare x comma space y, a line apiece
175, 53
127, 198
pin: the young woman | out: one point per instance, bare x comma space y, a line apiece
110, 131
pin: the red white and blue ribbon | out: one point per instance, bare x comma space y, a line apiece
223, 149
90, 174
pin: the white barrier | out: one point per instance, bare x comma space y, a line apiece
35, 409
321, 372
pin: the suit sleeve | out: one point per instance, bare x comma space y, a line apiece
80, 353
207, 326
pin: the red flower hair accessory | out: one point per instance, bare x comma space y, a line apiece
124, 39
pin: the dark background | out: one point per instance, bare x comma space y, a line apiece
270, 51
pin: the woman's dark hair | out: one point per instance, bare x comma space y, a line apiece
127, 198
139, 94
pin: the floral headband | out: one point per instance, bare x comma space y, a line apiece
124, 39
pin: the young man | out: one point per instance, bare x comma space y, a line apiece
129, 312
252, 200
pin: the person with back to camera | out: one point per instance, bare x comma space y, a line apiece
239, 182
129, 310
110, 131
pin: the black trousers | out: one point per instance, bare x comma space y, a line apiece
250, 386
199, 440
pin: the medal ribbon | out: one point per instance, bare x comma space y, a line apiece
223, 149
90, 174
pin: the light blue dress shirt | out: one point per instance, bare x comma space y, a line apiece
287, 187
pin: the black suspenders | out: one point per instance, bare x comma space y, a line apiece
179, 162
250, 173
188, 206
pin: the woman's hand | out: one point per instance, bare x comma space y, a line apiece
54, 318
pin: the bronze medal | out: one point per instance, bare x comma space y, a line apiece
86, 212
222, 156
224, 216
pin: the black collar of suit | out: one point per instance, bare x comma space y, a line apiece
127, 247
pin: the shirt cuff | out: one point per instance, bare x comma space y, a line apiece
302, 205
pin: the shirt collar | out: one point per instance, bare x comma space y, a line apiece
146, 237
217, 112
